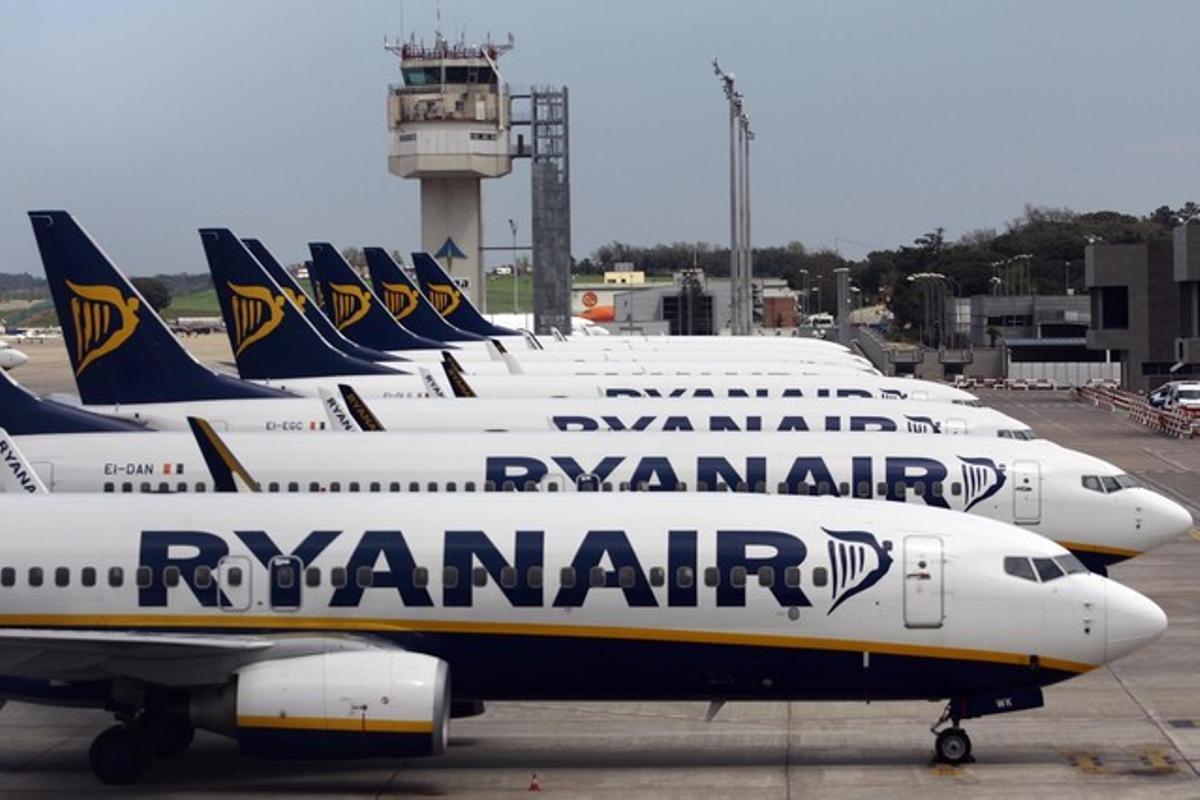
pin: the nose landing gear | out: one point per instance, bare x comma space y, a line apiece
952, 746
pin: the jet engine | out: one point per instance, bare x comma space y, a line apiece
359, 703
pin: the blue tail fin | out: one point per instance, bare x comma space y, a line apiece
269, 336
23, 414
354, 309
311, 312
449, 300
406, 303
120, 349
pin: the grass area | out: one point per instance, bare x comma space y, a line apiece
500, 294
195, 304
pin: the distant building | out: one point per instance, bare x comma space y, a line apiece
1146, 306
623, 277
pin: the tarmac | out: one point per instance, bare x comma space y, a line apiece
1128, 730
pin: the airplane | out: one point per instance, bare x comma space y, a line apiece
454, 306
1088, 505
407, 303
11, 357
360, 627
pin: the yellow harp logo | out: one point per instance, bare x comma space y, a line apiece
98, 330
350, 304
401, 300
298, 298
256, 312
445, 297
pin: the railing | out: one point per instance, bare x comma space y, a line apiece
1177, 423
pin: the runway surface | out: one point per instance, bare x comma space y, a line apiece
1129, 730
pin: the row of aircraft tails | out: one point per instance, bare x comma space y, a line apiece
795, 526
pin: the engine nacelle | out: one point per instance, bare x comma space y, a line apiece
363, 703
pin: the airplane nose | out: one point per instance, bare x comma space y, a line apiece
1169, 520
1133, 621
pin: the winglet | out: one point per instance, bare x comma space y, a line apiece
339, 417
514, 366
17, 476
532, 340
359, 410
454, 374
228, 473
431, 385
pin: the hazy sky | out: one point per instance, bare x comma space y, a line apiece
876, 121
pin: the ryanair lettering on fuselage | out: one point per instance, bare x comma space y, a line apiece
929, 479
753, 391
726, 422
605, 561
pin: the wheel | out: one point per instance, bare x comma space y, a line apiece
119, 756
953, 746
169, 735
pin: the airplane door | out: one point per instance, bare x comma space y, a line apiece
1027, 492
233, 578
923, 602
956, 426
284, 575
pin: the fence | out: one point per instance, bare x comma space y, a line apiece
1177, 423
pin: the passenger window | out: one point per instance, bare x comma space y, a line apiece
335, 486
313, 486
87, 576
8, 576
127, 487
712, 576
899, 490
312, 577
145, 487
658, 576
881, 489
354, 486
737, 577
937, 489
820, 576
364, 577
394, 486
116, 577
1047, 569
508, 486
233, 577
596, 577
421, 577
62, 576
181, 487
293, 486
432, 486
684, 577
489, 486
844, 488
203, 577
479, 576
108, 486
766, 576
35, 576
144, 576
864, 489
823, 488
201, 486
285, 577
791, 577
1020, 567
566, 577
508, 577
919, 490
469, 486
171, 575
533, 577
337, 577
273, 486
450, 577
626, 577
956, 488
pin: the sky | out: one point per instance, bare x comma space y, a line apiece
876, 120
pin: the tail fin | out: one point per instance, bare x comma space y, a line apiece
354, 309
405, 301
227, 472
269, 336
449, 300
17, 476
311, 311
23, 414
120, 349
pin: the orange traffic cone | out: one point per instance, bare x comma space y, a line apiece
534, 784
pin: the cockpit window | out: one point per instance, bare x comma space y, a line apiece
1070, 564
1127, 481
1047, 569
1024, 434
1109, 483
1020, 567
972, 403
1092, 482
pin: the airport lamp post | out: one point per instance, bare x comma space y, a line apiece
740, 267
512, 226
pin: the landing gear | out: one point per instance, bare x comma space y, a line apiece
119, 756
952, 745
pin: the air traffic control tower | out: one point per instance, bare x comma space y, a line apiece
448, 125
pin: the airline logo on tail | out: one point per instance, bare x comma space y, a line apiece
856, 563
256, 312
445, 297
298, 298
923, 424
350, 304
401, 300
982, 478
104, 319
